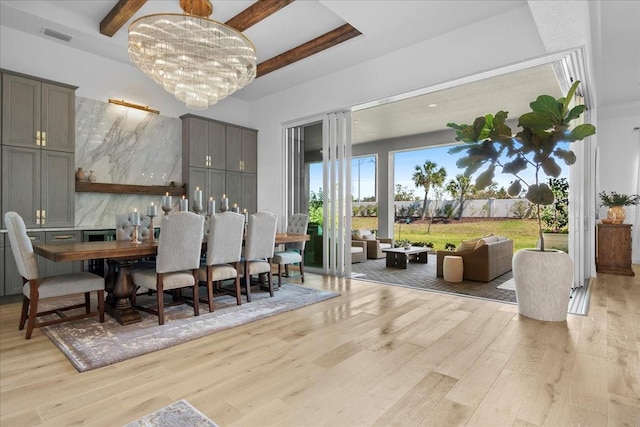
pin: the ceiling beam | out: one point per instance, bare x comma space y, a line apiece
256, 13
119, 15
325, 41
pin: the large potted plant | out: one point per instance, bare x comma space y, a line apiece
543, 278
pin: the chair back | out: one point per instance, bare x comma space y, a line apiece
224, 244
261, 236
124, 228
298, 224
180, 242
21, 246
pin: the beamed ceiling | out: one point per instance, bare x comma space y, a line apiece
124, 10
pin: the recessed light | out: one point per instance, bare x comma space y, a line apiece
432, 105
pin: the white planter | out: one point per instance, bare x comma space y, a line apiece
543, 283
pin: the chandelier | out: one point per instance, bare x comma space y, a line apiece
199, 60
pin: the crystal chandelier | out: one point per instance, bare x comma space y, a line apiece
199, 60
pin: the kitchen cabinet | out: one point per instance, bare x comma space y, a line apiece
38, 144
613, 243
204, 141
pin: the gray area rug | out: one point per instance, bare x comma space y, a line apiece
178, 414
90, 344
423, 276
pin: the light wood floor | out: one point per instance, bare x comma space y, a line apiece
378, 355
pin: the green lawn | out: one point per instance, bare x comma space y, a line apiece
524, 232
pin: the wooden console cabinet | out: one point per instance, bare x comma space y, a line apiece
614, 249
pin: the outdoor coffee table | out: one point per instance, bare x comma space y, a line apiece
397, 257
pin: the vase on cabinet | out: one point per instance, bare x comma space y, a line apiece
616, 214
92, 176
80, 175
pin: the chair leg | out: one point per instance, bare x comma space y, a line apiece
247, 280
279, 275
237, 283
87, 302
25, 311
209, 289
269, 278
196, 299
302, 271
33, 313
160, 299
101, 305
286, 270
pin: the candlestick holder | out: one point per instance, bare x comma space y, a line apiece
166, 204
197, 207
135, 235
224, 205
152, 234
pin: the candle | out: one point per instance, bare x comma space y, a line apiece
166, 203
183, 204
152, 210
211, 207
236, 208
224, 203
135, 217
197, 200
246, 215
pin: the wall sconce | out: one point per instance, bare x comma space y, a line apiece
130, 105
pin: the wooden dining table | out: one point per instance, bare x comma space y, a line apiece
117, 284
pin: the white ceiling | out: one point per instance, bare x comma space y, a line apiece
387, 25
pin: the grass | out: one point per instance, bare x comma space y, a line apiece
524, 232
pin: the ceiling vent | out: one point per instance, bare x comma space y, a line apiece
56, 35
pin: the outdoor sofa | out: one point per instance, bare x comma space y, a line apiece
483, 259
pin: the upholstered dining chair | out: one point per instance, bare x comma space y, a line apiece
224, 250
37, 288
258, 249
294, 252
177, 262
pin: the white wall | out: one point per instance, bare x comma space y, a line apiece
619, 160
100, 78
502, 40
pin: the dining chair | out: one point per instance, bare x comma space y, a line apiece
258, 249
294, 252
224, 250
177, 262
37, 288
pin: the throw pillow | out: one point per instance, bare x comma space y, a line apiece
369, 237
467, 245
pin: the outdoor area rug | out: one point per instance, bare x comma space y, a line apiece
90, 344
178, 414
423, 276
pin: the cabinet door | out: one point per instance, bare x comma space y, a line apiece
20, 110
250, 192
13, 280
217, 145
52, 268
21, 183
58, 118
216, 186
249, 151
234, 148
196, 142
234, 188
58, 189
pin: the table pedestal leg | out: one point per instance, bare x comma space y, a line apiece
122, 310
110, 280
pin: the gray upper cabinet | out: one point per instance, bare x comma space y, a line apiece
38, 144
203, 143
37, 114
242, 149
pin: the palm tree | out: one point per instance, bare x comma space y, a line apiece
426, 175
461, 188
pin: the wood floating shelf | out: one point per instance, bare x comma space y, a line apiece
152, 190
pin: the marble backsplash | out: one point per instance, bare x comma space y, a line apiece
123, 146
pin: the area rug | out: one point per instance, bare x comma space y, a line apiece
178, 414
89, 344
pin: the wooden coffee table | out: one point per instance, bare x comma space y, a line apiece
398, 257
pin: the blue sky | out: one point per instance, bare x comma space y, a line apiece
405, 163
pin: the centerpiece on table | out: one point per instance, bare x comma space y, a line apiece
543, 278
616, 203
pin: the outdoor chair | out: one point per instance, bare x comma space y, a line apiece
37, 288
375, 245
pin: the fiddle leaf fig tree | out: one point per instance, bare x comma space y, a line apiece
489, 140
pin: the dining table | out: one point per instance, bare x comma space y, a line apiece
117, 283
